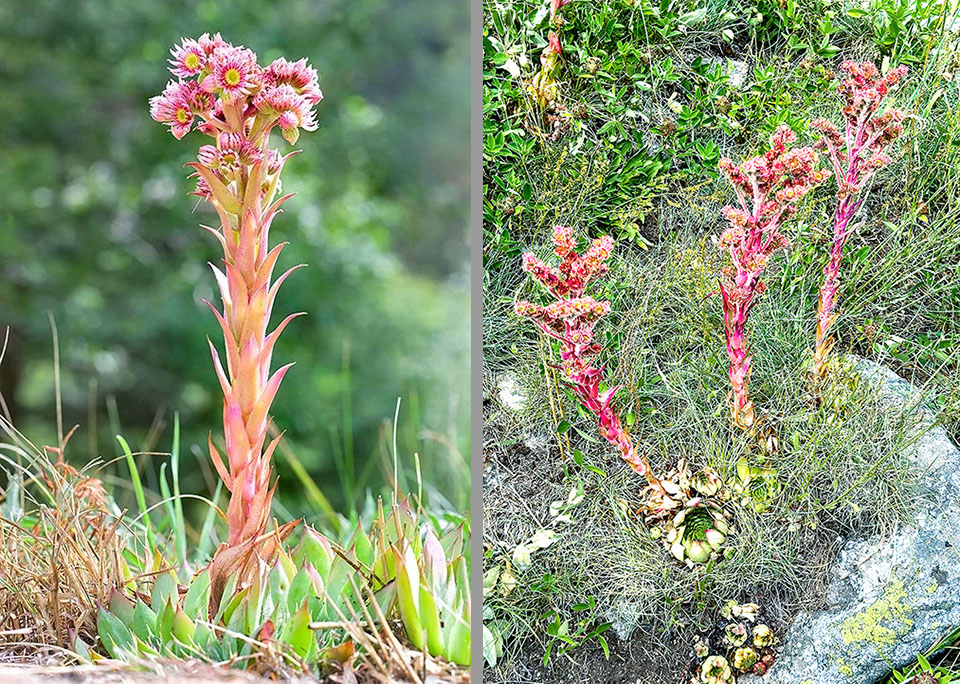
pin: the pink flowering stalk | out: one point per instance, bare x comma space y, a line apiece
544, 83
555, 6
856, 156
768, 188
222, 92
570, 319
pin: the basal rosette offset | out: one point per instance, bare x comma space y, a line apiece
697, 531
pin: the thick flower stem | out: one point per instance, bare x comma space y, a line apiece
735, 315
768, 187
570, 320
248, 388
829, 289
856, 155
610, 427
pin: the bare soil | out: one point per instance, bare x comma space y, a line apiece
630, 663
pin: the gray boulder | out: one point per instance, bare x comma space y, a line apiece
889, 597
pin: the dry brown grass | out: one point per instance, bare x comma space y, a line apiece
60, 550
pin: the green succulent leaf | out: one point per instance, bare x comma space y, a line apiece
297, 633
121, 607
116, 638
165, 622
301, 588
408, 594
278, 584
229, 608
82, 650
452, 542
164, 590
457, 641
361, 546
144, 622
430, 619
253, 607
203, 637
183, 627
314, 549
198, 596
337, 578
229, 590
146, 650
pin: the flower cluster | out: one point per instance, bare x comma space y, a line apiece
856, 155
570, 319
768, 188
238, 103
224, 87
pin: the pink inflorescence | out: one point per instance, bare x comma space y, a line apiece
219, 86
856, 155
768, 188
221, 91
570, 319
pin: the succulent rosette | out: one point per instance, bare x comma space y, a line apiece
763, 636
706, 482
745, 658
716, 670
735, 634
697, 531
756, 486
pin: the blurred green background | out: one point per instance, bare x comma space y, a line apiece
96, 228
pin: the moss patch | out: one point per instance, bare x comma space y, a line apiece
881, 623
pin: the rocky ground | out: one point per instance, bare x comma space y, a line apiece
889, 597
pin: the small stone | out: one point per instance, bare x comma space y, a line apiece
510, 393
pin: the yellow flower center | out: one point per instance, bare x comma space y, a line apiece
232, 77
183, 116
192, 61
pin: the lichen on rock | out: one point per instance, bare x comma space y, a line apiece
880, 623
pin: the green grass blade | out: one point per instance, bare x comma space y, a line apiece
204, 547
138, 490
180, 527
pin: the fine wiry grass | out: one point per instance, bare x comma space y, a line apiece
842, 465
